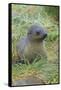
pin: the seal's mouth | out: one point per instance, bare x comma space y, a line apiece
41, 37
38, 37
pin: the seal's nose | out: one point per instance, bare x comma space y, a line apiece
45, 35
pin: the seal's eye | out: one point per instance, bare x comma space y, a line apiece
30, 32
38, 33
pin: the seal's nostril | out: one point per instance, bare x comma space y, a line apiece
45, 34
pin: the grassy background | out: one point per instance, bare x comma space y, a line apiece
23, 16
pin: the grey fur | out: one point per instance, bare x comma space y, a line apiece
32, 45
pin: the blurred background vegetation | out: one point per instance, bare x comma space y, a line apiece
23, 16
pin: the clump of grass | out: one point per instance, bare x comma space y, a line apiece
48, 70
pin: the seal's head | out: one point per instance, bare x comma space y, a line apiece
37, 32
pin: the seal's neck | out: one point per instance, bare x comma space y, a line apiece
31, 40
